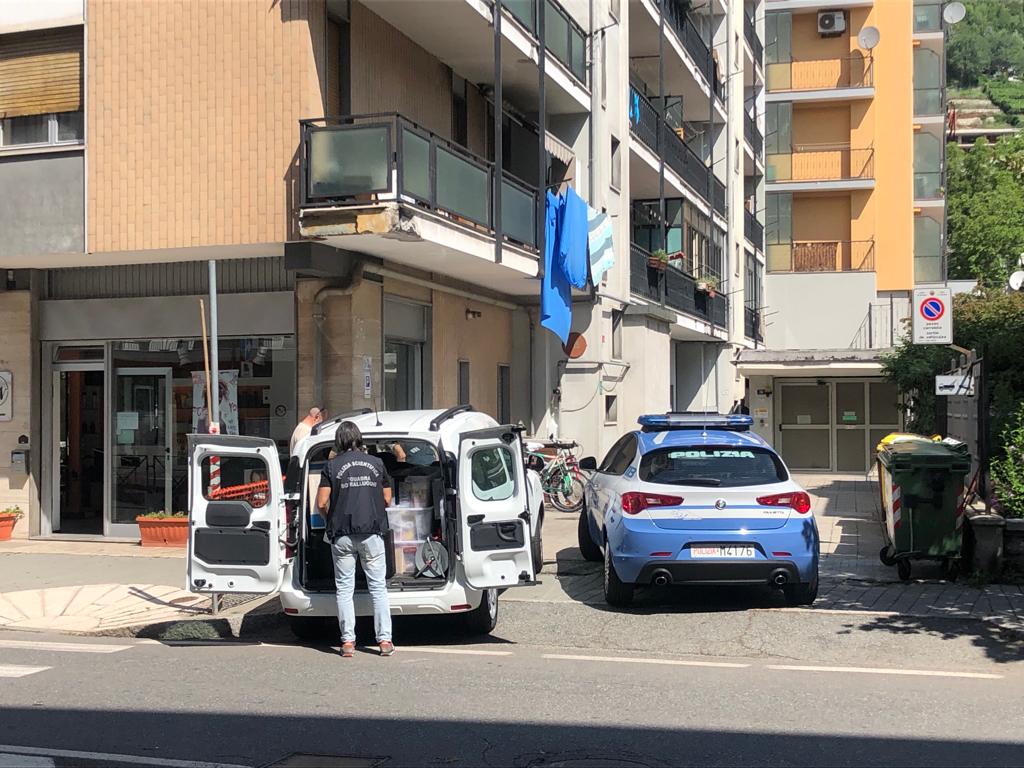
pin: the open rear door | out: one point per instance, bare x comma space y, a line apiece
236, 515
494, 521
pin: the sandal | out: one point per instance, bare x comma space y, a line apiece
387, 648
348, 650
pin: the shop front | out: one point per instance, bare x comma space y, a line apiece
116, 410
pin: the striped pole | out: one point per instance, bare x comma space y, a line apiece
897, 505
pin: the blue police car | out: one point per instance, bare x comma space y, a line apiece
698, 499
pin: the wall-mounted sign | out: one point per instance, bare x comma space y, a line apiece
933, 316
367, 377
957, 384
6, 396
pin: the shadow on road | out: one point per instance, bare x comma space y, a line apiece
999, 644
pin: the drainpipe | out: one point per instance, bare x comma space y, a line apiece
329, 291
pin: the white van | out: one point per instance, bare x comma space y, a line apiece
465, 520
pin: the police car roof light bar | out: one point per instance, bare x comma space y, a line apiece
736, 422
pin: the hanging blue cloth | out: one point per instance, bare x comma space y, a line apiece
555, 293
572, 240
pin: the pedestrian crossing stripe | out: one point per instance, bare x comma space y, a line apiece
42, 645
16, 670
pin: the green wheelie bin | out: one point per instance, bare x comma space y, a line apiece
921, 484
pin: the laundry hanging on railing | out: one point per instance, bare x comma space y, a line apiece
572, 240
599, 242
555, 292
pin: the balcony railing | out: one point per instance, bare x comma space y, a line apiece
719, 194
564, 38
678, 19
677, 288
821, 74
821, 162
753, 134
645, 123
928, 102
822, 256
927, 185
752, 324
928, 16
753, 230
360, 159
750, 32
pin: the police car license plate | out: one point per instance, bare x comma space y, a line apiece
747, 552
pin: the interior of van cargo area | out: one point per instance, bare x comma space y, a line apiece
417, 541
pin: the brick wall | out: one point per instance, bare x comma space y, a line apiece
192, 118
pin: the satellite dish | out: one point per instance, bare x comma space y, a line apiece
869, 37
954, 13
1016, 280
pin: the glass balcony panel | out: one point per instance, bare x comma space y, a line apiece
415, 165
349, 161
462, 187
518, 213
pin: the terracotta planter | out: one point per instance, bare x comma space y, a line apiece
656, 263
165, 532
7, 526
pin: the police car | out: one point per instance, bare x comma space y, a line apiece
698, 499
465, 525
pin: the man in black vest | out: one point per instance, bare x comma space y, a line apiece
355, 490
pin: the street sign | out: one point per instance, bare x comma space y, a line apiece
6, 397
933, 316
957, 385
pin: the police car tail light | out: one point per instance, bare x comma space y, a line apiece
634, 503
799, 502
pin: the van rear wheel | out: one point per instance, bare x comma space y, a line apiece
484, 618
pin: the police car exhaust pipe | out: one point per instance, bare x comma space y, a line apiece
661, 578
779, 578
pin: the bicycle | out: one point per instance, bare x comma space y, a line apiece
561, 478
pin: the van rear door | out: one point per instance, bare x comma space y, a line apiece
494, 520
236, 515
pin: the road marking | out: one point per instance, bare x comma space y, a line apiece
32, 645
880, 671
831, 611
14, 670
109, 757
24, 761
627, 660
453, 651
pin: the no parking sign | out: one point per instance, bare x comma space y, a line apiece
933, 316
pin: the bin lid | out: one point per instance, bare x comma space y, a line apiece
951, 454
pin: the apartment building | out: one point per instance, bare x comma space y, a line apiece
337, 160
855, 217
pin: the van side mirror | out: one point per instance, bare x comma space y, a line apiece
589, 464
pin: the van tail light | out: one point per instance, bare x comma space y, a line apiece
799, 501
634, 503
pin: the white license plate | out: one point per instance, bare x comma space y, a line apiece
741, 552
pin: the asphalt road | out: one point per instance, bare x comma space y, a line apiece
558, 685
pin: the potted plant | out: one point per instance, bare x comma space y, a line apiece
163, 529
8, 518
658, 260
708, 285
1008, 487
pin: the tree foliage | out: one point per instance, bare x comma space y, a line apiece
989, 41
992, 323
985, 210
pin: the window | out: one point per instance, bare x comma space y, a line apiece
41, 130
611, 409
617, 316
778, 28
463, 382
712, 466
778, 125
240, 478
620, 456
613, 9
927, 250
493, 478
616, 164
460, 112
778, 220
504, 394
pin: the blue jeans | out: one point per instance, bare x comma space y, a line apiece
369, 548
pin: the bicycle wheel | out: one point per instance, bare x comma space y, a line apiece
569, 499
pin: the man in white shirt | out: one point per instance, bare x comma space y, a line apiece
305, 427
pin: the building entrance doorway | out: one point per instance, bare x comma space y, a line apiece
78, 405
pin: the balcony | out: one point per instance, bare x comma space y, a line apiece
753, 134
676, 289
822, 256
647, 125
851, 77
384, 186
677, 18
813, 167
565, 39
750, 33
752, 324
753, 230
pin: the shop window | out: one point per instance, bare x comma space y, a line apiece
493, 477
235, 478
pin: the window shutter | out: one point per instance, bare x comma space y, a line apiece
41, 72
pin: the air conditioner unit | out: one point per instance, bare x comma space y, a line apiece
831, 23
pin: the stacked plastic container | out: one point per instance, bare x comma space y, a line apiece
411, 520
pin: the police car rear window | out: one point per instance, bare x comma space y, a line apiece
712, 466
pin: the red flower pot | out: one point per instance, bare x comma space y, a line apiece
7, 526
163, 532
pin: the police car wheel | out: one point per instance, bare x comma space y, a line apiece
484, 618
616, 592
588, 548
